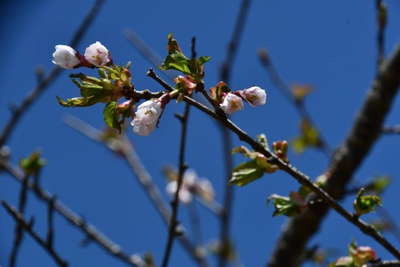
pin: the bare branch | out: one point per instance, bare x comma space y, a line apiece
391, 129
122, 147
44, 83
17, 216
87, 229
173, 224
19, 234
385, 264
346, 161
381, 20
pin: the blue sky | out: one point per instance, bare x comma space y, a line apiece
328, 44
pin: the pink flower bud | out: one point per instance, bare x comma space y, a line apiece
146, 117
364, 254
231, 103
255, 96
97, 54
65, 57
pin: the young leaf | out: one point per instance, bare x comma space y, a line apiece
365, 203
378, 184
77, 101
33, 163
110, 115
283, 206
203, 59
246, 173
309, 137
176, 61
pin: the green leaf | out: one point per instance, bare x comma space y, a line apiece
283, 205
246, 173
177, 61
33, 163
309, 137
365, 203
299, 145
378, 184
110, 115
203, 59
77, 101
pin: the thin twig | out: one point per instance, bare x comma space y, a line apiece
292, 171
50, 221
195, 223
148, 53
280, 84
28, 101
173, 224
385, 264
391, 129
19, 234
87, 229
380, 35
17, 216
122, 147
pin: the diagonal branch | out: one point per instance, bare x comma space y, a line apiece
19, 234
122, 147
299, 176
17, 216
44, 83
87, 229
347, 159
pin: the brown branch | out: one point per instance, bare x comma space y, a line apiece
17, 216
173, 224
87, 229
346, 161
302, 178
122, 147
27, 102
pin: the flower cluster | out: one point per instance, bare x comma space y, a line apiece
115, 82
192, 185
232, 101
67, 57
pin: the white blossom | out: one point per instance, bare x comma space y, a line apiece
255, 96
97, 54
65, 56
191, 185
231, 103
146, 117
